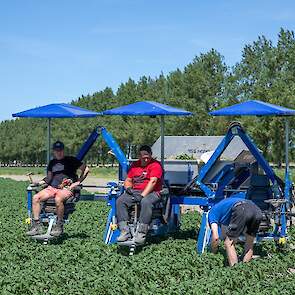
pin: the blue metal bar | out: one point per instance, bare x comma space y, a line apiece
88, 144
217, 153
111, 234
188, 200
206, 168
232, 132
288, 182
204, 234
111, 142
257, 155
29, 201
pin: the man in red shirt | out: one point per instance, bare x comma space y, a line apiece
142, 185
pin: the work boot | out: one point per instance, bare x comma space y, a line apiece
57, 230
36, 228
141, 234
125, 232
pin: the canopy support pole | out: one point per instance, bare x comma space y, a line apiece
287, 127
48, 139
288, 182
162, 141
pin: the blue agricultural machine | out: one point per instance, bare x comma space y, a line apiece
248, 176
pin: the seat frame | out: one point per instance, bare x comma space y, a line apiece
48, 212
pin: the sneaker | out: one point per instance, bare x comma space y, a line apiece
35, 230
57, 230
141, 234
124, 236
125, 232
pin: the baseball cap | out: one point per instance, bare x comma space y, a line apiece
58, 146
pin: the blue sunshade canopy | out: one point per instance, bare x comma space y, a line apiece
254, 108
146, 108
57, 110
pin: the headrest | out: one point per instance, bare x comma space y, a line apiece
259, 180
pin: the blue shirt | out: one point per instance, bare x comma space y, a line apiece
221, 212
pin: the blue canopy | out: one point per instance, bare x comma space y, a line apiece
146, 108
57, 110
254, 108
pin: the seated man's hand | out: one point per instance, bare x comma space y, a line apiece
74, 185
129, 190
38, 183
134, 194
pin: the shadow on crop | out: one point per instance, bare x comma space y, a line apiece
67, 236
156, 240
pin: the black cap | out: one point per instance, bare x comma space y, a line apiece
58, 146
146, 148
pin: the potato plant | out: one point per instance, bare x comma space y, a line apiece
80, 263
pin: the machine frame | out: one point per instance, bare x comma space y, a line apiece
207, 196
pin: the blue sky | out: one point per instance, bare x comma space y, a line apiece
57, 50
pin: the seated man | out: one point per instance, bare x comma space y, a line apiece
62, 180
241, 216
143, 185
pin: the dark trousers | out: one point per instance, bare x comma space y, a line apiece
125, 201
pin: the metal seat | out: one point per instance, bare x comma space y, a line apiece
259, 191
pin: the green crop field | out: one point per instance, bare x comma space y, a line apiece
80, 263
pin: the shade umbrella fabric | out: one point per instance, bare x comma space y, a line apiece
260, 108
55, 110
253, 108
148, 108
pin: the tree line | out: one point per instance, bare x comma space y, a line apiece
265, 72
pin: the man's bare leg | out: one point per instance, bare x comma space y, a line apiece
231, 251
37, 199
248, 248
60, 207
60, 198
42, 196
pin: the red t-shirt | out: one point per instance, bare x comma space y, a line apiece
141, 175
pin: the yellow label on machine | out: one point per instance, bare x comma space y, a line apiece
113, 226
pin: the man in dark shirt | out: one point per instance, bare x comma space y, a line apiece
61, 180
242, 217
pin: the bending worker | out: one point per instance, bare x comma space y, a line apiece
242, 217
142, 185
61, 179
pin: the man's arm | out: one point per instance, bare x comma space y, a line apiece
45, 180
150, 186
128, 183
214, 237
84, 172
